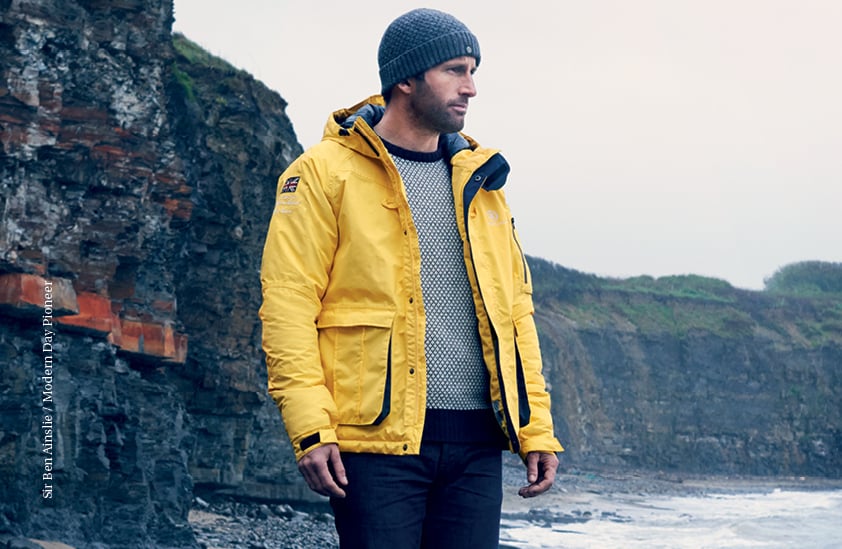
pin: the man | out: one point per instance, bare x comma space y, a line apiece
397, 313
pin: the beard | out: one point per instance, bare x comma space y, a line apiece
434, 113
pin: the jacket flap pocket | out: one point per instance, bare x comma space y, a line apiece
334, 318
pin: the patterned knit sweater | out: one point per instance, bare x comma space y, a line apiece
458, 403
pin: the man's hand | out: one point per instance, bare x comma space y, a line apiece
323, 470
540, 472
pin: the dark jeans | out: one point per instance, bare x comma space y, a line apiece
449, 496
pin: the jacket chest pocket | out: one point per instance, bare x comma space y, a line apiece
356, 353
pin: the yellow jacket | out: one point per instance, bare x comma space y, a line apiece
343, 315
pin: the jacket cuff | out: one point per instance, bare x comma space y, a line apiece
303, 445
545, 446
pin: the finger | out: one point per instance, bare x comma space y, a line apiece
535, 489
532, 467
338, 467
309, 478
548, 464
314, 468
550, 469
541, 486
326, 483
321, 484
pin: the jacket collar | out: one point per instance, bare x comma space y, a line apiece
352, 128
363, 116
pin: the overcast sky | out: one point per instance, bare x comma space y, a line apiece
650, 137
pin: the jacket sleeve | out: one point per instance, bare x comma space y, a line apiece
297, 255
537, 435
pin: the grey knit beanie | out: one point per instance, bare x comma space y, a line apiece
421, 39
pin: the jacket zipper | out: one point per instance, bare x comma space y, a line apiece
512, 436
507, 417
522, 256
367, 140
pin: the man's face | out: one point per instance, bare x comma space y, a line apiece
439, 102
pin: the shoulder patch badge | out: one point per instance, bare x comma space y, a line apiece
290, 185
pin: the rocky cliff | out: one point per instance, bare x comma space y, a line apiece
689, 374
137, 179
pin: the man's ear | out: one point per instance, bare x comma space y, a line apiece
404, 85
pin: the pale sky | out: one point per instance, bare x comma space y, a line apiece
653, 137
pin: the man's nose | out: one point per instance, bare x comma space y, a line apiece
468, 88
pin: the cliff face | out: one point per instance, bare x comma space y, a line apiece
688, 374
137, 182
235, 141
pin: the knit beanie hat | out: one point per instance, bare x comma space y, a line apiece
420, 39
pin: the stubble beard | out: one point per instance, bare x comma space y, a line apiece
435, 114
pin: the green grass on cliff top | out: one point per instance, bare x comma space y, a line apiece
801, 310
194, 53
189, 57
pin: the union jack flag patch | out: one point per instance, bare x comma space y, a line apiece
290, 185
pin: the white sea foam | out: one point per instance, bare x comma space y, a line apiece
779, 520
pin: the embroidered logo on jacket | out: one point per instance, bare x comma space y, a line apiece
494, 218
290, 185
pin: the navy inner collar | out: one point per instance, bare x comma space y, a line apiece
416, 156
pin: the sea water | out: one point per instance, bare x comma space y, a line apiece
776, 519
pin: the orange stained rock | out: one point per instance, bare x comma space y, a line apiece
94, 314
178, 208
33, 295
152, 339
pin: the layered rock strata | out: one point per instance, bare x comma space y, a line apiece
136, 186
